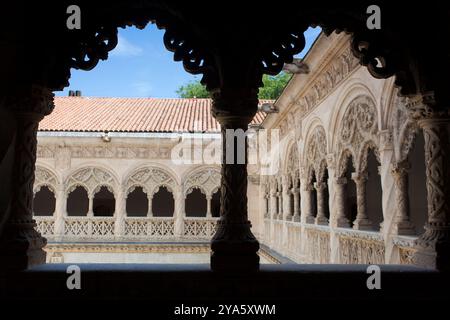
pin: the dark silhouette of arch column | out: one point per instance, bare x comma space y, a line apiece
21, 246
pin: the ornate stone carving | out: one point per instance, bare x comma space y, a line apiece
90, 178
358, 133
316, 152
44, 177
150, 178
326, 82
434, 244
207, 179
403, 226
21, 245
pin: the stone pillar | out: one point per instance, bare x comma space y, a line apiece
150, 209
361, 222
60, 211
287, 214
341, 220
208, 206
309, 217
266, 200
234, 247
120, 214
433, 246
91, 206
21, 246
402, 224
279, 214
273, 204
296, 194
321, 219
179, 214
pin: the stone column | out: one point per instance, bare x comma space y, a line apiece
361, 222
60, 211
179, 214
91, 206
279, 214
234, 247
309, 217
120, 214
208, 206
341, 220
21, 246
273, 204
402, 224
266, 200
321, 219
150, 209
296, 194
287, 214
433, 246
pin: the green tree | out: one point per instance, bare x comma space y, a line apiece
273, 86
272, 89
193, 89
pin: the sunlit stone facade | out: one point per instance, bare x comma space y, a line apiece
348, 186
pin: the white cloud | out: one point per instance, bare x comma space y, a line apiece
126, 49
142, 89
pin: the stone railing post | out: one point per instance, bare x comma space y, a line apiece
21, 246
234, 247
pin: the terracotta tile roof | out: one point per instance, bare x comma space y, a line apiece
133, 115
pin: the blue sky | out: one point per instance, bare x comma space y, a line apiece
140, 66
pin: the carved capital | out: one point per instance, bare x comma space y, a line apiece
33, 101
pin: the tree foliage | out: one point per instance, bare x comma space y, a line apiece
272, 89
193, 89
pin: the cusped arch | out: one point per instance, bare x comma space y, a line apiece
206, 179
150, 179
45, 177
92, 178
315, 153
358, 128
291, 165
342, 163
351, 91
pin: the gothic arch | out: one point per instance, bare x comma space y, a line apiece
45, 177
292, 164
92, 178
351, 90
315, 152
206, 179
388, 104
343, 159
150, 178
358, 129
